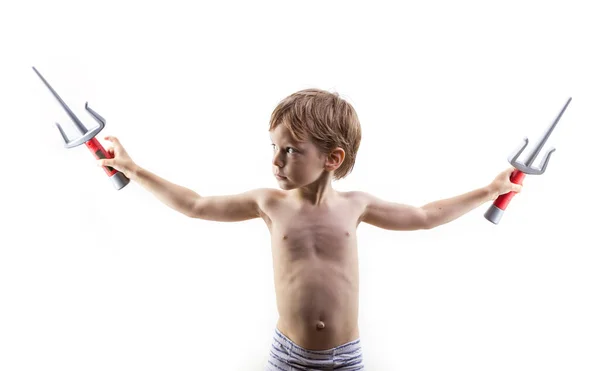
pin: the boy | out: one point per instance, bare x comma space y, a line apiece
315, 136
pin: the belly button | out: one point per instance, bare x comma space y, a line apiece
320, 325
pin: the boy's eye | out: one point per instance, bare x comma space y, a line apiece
288, 149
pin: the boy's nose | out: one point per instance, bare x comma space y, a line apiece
277, 160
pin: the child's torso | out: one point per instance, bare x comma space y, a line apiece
316, 270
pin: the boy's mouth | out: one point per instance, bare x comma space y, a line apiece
280, 176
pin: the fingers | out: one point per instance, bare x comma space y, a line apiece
505, 173
105, 162
113, 139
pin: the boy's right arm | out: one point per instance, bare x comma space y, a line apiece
226, 208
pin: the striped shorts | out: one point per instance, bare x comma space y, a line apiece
285, 355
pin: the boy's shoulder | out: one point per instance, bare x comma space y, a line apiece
266, 196
360, 197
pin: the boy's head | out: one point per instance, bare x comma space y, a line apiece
323, 125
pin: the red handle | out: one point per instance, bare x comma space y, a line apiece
502, 201
99, 152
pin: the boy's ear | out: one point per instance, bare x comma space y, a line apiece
335, 159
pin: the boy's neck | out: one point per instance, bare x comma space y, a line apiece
316, 194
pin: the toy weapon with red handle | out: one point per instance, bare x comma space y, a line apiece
496, 210
118, 179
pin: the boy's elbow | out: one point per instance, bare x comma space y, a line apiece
426, 220
195, 209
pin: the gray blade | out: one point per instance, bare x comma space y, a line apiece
82, 129
545, 137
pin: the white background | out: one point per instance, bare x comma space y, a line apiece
97, 279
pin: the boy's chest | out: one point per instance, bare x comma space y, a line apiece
328, 234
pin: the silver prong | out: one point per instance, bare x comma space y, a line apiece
513, 158
546, 135
101, 121
78, 124
62, 132
545, 161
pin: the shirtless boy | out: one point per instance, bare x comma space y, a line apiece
315, 136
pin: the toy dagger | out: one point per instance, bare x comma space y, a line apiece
118, 179
496, 210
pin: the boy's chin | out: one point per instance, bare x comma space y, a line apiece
286, 185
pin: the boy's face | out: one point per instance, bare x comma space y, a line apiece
297, 163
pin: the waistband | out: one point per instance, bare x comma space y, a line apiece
350, 348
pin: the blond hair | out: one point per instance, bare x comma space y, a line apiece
324, 118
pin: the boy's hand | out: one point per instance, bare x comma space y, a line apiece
502, 184
120, 159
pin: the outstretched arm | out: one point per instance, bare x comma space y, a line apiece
228, 208
395, 216
222, 208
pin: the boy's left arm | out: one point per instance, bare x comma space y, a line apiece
395, 216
